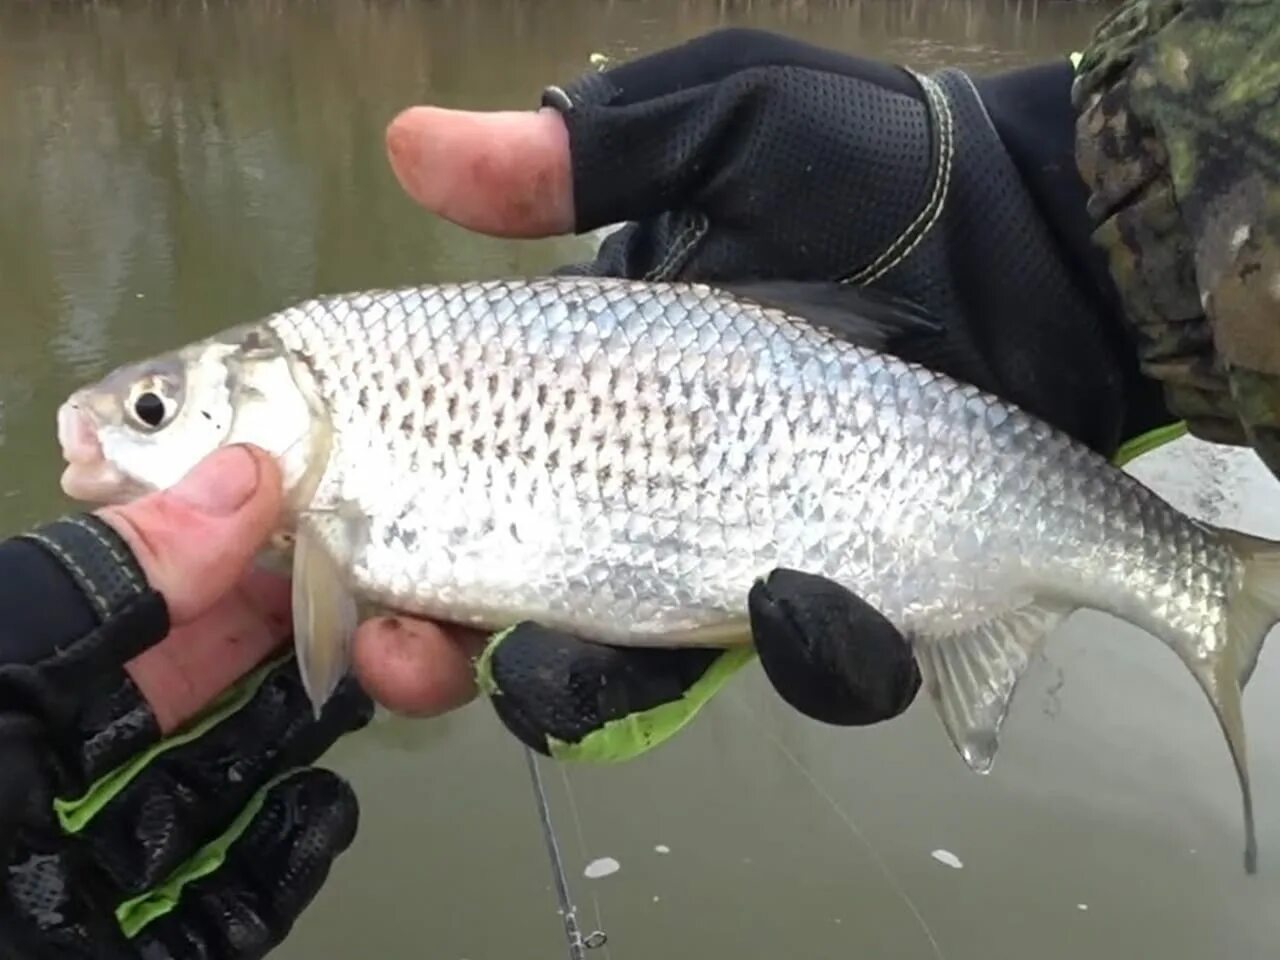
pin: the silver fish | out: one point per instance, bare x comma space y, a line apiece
623, 459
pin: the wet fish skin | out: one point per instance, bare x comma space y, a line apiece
623, 459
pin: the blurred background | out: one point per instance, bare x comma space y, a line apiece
168, 169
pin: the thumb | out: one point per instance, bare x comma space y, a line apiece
505, 174
196, 539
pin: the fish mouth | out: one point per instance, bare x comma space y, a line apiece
88, 476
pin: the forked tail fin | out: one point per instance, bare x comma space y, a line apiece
1253, 608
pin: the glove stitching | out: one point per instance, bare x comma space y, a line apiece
931, 212
86, 583
680, 250
126, 567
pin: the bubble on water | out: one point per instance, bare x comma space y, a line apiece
948, 858
656, 898
1082, 906
662, 848
601, 868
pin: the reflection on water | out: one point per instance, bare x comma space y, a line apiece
170, 168
173, 168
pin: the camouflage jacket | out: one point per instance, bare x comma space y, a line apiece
1178, 140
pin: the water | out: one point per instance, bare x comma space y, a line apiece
169, 169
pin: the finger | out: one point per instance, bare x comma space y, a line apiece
416, 668
183, 674
143, 826
195, 540
267, 876
828, 653
505, 174
584, 701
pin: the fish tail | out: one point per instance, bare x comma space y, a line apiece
1252, 609
972, 674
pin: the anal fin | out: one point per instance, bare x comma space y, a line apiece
324, 609
971, 675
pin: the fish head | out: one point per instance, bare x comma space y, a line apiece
146, 424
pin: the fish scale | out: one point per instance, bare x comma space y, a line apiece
554, 450
623, 459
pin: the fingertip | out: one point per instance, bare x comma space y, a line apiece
413, 667
270, 477
506, 174
260, 512
403, 141
195, 539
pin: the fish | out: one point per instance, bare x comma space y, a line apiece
623, 459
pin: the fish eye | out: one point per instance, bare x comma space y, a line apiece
149, 409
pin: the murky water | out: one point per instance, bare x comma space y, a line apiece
168, 169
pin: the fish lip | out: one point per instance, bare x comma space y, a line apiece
78, 433
88, 477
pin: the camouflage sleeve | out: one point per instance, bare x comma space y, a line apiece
1178, 141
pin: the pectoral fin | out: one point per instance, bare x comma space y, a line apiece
324, 609
971, 675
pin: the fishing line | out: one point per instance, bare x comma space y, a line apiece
578, 945
845, 817
582, 843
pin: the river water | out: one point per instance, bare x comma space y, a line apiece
169, 169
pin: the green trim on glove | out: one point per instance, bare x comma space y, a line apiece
484, 666
134, 915
74, 815
628, 737
625, 738
1146, 442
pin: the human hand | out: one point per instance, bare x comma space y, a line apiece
744, 155
700, 147
156, 799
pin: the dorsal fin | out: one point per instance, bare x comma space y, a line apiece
870, 318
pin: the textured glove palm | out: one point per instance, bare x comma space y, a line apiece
116, 842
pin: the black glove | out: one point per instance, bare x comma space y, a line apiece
744, 156
829, 654
115, 842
